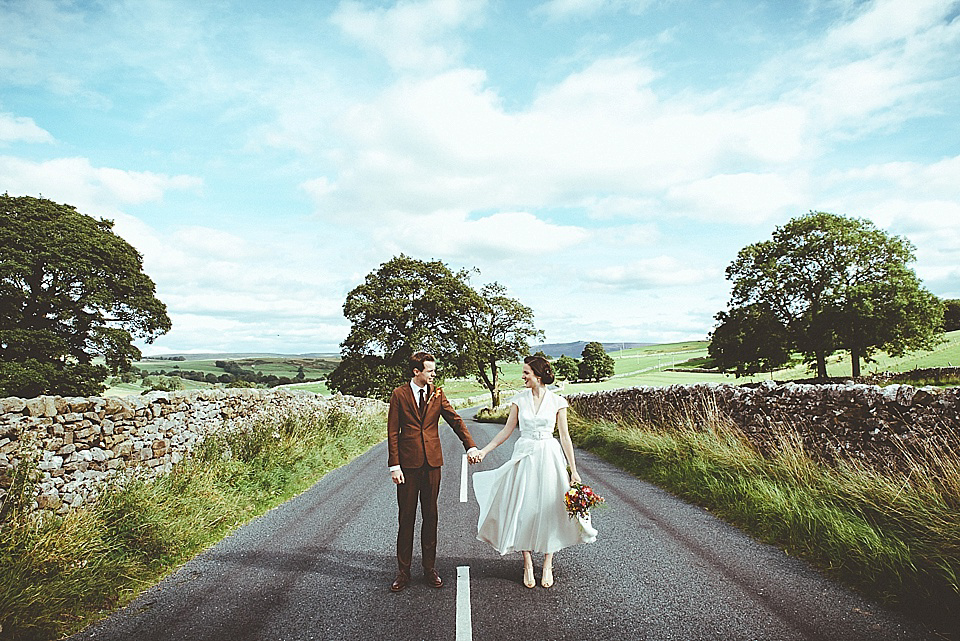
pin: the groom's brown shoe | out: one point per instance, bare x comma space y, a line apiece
399, 583
433, 579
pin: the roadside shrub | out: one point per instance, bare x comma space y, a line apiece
493, 415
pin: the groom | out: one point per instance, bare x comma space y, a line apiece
415, 458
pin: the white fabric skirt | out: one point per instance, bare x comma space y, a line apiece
521, 502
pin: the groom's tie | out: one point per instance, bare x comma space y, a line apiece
423, 400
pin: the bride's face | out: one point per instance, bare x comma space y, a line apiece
530, 379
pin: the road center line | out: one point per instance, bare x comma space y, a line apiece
464, 620
463, 480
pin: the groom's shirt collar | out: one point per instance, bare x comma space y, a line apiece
416, 389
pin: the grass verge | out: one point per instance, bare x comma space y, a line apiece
893, 537
61, 573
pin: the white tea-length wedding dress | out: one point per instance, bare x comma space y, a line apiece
521, 502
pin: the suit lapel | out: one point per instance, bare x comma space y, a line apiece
412, 402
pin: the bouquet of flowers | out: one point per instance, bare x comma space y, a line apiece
579, 499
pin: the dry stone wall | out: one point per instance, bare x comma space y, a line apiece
881, 425
78, 444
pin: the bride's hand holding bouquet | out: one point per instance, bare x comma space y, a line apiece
580, 498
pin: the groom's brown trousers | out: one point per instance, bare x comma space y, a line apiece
421, 484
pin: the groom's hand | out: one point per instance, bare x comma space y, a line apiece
397, 476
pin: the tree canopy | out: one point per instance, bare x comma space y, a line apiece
566, 368
501, 328
595, 363
408, 305
404, 306
70, 290
951, 315
748, 340
825, 282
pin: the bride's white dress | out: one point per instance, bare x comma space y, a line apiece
521, 502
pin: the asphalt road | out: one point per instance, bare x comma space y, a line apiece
320, 566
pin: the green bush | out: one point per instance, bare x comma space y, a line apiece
497, 415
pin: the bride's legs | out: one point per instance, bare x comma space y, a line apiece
528, 579
547, 579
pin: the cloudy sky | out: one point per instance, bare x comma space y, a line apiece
603, 159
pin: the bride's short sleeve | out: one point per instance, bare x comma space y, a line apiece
561, 402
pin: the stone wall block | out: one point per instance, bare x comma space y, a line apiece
35, 407
159, 448
12, 405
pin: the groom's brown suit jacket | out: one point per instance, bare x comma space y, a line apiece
414, 441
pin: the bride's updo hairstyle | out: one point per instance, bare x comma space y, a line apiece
542, 368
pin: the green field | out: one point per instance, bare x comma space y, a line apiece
654, 365
279, 366
276, 365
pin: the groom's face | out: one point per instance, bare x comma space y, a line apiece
424, 376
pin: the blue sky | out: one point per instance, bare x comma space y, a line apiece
603, 159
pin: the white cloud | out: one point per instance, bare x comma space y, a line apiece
446, 141
940, 179
564, 9
872, 72
319, 187
454, 235
886, 22
265, 290
744, 198
21, 129
651, 273
96, 191
411, 35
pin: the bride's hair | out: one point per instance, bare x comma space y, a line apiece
541, 367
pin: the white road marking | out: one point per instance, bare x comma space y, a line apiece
463, 480
464, 621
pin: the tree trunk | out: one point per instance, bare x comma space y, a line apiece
495, 389
490, 385
855, 362
821, 366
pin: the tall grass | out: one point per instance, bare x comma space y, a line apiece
892, 535
59, 573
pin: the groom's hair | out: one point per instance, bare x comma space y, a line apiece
417, 360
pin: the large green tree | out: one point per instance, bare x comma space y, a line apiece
951, 315
567, 368
748, 340
404, 306
70, 290
595, 363
501, 330
408, 305
837, 283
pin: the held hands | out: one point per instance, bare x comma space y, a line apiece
475, 456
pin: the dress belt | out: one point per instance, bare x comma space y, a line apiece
537, 436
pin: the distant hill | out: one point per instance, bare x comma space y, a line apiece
226, 356
555, 350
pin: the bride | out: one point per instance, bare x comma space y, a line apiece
521, 502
